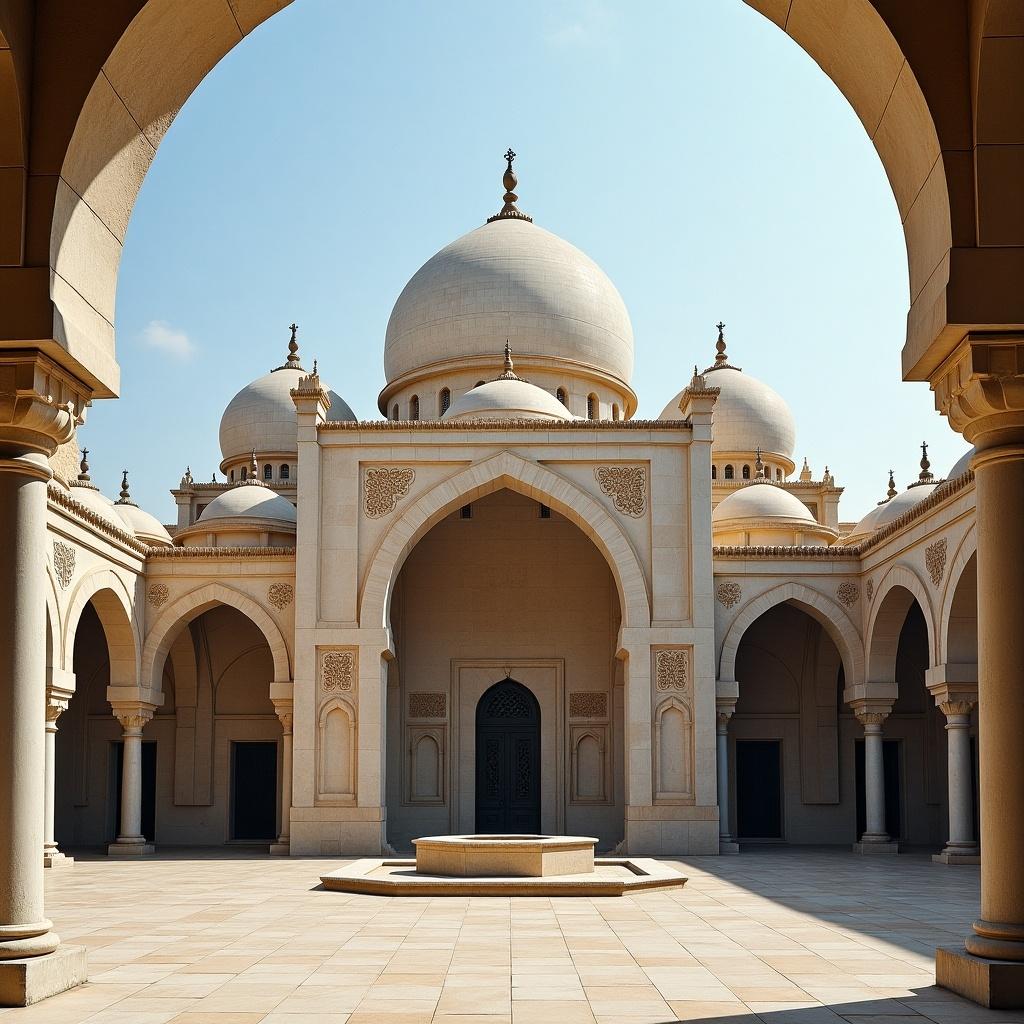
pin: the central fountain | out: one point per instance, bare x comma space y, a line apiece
503, 865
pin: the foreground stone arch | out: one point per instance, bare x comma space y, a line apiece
113, 605
161, 636
945, 648
505, 470
821, 608
899, 587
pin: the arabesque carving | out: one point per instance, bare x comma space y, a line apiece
280, 595
158, 594
848, 593
626, 486
588, 704
935, 560
728, 594
428, 705
383, 488
672, 669
337, 670
63, 563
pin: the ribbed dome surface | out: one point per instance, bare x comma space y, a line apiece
249, 501
761, 501
509, 279
507, 399
262, 415
748, 414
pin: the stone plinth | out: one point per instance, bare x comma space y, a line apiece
516, 856
26, 981
998, 984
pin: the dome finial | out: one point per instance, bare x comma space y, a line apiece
83, 467
293, 347
510, 181
720, 345
255, 466
758, 464
892, 492
125, 497
925, 476
508, 372
805, 472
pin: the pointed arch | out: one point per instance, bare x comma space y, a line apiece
511, 471
962, 560
899, 587
822, 609
114, 607
163, 632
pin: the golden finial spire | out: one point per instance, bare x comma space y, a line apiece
510, 211
509, 371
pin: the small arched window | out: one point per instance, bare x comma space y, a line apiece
746, 472
285, 472
778, 474
444, 401
714, 472
232, 474
562, 396
414, 407
268, 472
728, 472
592, 407
479, 383
245, 472
615, 411
394, 411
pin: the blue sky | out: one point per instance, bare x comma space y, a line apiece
688, 146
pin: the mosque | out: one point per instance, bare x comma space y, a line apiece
508, 605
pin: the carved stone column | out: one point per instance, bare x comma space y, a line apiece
875, 839
980, 387
130, 841
39, 409
284, 712
961, 847
726, 843
56, 702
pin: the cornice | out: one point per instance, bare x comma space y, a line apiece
94, 520
790, 551
466, 426
258, 552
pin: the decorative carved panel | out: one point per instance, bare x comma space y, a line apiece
337, 671
383, 488
588, 704
672, 669
626, 486
848, 593
870, 589
63, 563
428, 705
728, 594
158, 594
935, 560
280, 595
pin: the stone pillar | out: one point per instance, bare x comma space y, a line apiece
875, 838
980, 387
726, 843
130, 840
56, 702
961, 847
282, 847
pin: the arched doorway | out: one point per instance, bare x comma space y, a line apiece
508, 761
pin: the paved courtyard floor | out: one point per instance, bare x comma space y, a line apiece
775, 935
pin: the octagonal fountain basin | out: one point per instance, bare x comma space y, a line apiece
500, 856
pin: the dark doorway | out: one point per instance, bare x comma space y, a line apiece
254, 791
893, 788
148, 788
508, 760
759, 789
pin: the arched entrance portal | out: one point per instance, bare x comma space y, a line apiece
508, 760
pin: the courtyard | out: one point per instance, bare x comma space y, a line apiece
785, 936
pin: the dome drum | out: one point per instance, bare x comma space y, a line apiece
765, 513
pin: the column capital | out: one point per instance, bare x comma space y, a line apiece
979, 387
133, 717
41, 404
57, 700
957, 709
871, 713
284, 709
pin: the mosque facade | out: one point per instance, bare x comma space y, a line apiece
508, 605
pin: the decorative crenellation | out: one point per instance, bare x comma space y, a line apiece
233, 551
935, 560
383, 488
588, 704
337, 670
672, 669
428, 705
626, 486
869, 588
158, 594
63, 563
848, 593
502, 425
56, 494
728, 594
280, 595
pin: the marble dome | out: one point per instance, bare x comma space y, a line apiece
249, 501
143, 524
748, 414
261, 417
961, 465
510, 279
882, 515
760, 501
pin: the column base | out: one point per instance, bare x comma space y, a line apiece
120, 849
728, 846
280, 849
958, 855
56, 859
889, 849
23, 982
997, 984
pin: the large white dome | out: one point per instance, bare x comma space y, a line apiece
261, 417
509, 279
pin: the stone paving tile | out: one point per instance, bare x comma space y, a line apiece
785, 936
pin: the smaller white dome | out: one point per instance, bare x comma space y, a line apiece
507, 398
144, 525
97, 502
882, 515
249, 501
962, 464
762, 501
